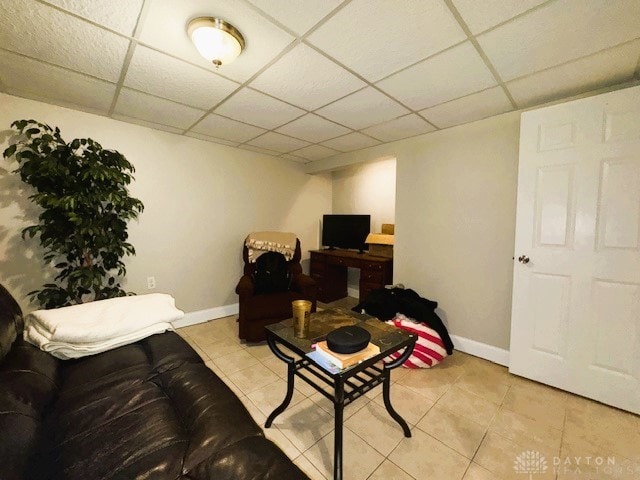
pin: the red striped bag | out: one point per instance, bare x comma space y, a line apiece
429, 350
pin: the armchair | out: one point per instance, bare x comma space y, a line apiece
259, 310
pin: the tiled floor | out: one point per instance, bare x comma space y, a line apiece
470, 419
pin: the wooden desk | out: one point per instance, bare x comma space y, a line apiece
329, 269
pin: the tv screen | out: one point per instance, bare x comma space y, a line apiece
345, 231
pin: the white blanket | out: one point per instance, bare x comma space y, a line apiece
66, 351
105, 319
94, 327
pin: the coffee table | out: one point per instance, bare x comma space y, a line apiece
346, 385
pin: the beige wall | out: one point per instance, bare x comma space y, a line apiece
367, 188
455, 221
201, 199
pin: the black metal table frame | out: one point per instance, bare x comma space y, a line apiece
345, 390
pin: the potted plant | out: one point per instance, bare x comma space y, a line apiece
82, 190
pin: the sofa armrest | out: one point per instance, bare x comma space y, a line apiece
245, 287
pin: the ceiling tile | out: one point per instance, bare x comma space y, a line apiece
306, 78
45, 33
290, 156
156, 73
468, 109
208, 138
165, 27
403, 127
221, 127
119, 15
313, 128
137, 121
30, 78
589, 73
157, 110
378, 37
363, 109
258, 109
558, 32
451, 74
259, 150
352, 141
479, 16
315, 152
277, 142
300, 15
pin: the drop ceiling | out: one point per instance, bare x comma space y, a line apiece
317, 77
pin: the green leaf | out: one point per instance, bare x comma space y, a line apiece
10, 151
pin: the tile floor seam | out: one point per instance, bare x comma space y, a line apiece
396, 465
479, 445
426, 413
436, 439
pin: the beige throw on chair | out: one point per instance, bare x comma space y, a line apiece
260, 242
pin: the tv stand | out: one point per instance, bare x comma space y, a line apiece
329, 269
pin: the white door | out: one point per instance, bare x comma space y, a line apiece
576, 295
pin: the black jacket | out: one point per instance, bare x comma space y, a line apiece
385, 303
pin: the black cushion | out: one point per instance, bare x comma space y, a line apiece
272, 274
349, 339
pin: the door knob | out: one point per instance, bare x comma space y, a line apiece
523, 259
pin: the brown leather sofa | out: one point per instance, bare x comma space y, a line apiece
257, 311
148, 410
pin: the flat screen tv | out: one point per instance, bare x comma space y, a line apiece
345, 231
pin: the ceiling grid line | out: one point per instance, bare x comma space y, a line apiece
288, 48
516, 17
481, 52
133, 43
360, 77
636, 72
568, 62
279, 24
81, 18
425, 59
55, 65
455, 44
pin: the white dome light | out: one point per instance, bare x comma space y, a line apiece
216, 40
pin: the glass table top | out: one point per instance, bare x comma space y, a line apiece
388, 337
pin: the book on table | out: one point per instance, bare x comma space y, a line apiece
346, 360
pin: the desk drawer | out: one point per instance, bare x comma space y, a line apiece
374, 266
371, 276
340, 261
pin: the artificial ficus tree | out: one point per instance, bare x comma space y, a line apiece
82, 191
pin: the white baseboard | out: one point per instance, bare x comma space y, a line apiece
466, 345
201, 316
482, 350
353, 292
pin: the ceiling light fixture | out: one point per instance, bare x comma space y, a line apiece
216, 40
